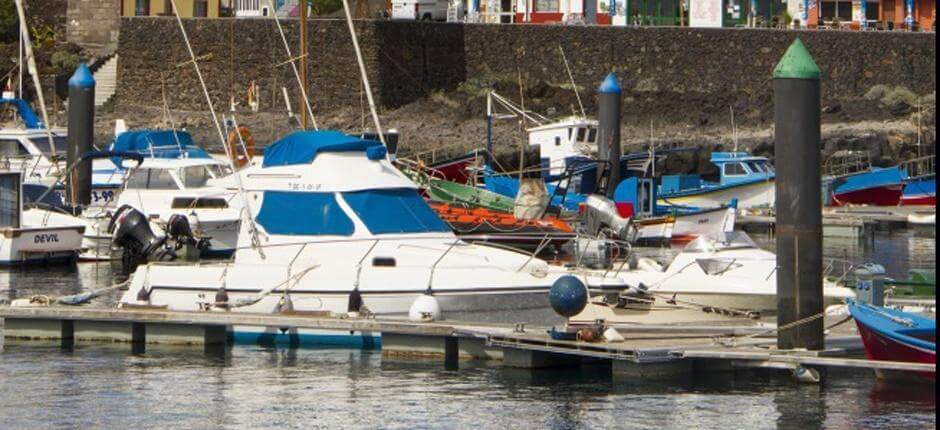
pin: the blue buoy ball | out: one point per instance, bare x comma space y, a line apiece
568, 296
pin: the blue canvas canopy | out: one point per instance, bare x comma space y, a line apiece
158, 144
301, 147
25, 112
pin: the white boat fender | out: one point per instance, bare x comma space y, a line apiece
649, 265
807, 375
425, 309
612, 335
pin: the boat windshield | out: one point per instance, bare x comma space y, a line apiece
721, 242
42, 144
151, 179
194, 176
398, 210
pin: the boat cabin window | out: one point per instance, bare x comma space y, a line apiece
9, 200
199, 203
219, 170
151, 179
756, 167
194, 176
582, 133
734, 169
557, 141
303, 214
402, 210
42, 144
592, 135
12, 148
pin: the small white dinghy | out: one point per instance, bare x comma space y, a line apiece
34, 235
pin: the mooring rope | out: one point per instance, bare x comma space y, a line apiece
733, 340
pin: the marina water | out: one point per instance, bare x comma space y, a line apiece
105, 386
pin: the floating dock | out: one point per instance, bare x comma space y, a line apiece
860, 222
647, 351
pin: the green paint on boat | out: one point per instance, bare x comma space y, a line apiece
451, 192
797, 63
444, 191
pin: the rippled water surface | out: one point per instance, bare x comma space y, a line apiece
104, 386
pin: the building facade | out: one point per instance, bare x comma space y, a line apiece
187, 8
914, 15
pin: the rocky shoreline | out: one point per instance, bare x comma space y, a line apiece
449, 124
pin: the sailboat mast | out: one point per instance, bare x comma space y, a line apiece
34, 72
303, 58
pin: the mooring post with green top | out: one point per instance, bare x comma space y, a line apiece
798, 199
81, 134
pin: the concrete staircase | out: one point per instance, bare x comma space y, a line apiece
106, 81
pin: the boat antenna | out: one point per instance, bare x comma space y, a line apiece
734, 131
652, 151
218, 127
293, 65
34, 73
362, 71
571, 78
166, 112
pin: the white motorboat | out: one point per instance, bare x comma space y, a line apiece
332, 227
34, 235
719, 275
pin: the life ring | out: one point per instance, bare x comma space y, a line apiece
241, 158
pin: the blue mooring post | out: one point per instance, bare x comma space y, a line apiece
608, 133
798, 198
81, 134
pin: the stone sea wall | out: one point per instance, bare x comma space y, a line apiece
663, 70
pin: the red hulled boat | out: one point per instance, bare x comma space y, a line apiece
893, 335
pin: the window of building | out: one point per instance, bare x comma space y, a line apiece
734, 169
546, 6
832, 10
200, 8
141, 7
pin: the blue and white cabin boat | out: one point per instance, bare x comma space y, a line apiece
331, 226
25, 147
747, 178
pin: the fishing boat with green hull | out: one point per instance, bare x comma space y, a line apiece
444, 191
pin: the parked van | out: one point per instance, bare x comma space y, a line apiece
425, 10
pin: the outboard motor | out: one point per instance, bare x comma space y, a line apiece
179, 231
132, 232
601, 216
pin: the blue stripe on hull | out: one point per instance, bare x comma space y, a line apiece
306, 340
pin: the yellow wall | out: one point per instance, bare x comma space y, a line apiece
157, 8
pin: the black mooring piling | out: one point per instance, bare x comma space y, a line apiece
81, 133
608, 133
798, 198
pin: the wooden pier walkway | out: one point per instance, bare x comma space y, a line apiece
647, 351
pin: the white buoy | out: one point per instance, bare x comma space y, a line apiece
425, 309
